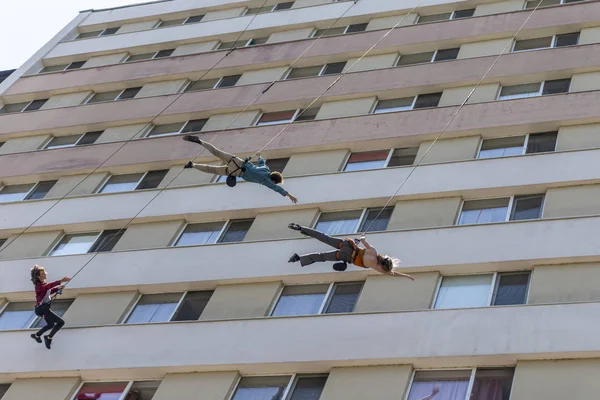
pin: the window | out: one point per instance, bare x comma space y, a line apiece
403, 157
376, 219
196, 234
308, 114
3, 389
129, 182
142, 390
15, 192
567, 39
181, 21
319, 70
367, 160
192, 306
339, 222
273, 118
496, 210
62, 67
534, 89
194, 18
408, 103
232, 45
257, 41
59, 142
268, 9
431, 56
169, 307
354, 28
205, 84
149, 56
17, 316
105, 32
299, 387
194, 125
2, 241
317, 299
236, 231
40, 190
114, 95
446, 16
59, 307
475, 384
81, 243
547, 3
23, 107
518, 145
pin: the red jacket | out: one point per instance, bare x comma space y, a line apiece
44, 290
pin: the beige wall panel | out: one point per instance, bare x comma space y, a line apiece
195, 48
556, 380
222, 121
30, 245
499, 7
578, 137
223, 14
464, 148
274, 225
261, 76
19, 145
308, 3
105, 60
583, 82
288, 36
346, 108
553, 284
390, 22
161, 88
400, 294
122, 133
99, 308
79, 184
373, 383
370, 63
205, 386
137, 26
187, 177
42, 388
589, 35
572, 201
413, 214
483, 49
241, 301
456, 96
149, 236
65, 100
315, 163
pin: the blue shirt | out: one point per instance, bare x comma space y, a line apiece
261, 175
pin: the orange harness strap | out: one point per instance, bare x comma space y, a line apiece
357, 253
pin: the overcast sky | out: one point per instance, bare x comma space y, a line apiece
26, 25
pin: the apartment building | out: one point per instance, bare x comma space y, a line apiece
182, 288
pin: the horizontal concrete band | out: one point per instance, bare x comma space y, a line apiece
461, 248
211, 202
448, 337
400, 39
543, 113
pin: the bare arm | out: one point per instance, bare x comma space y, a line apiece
433, 393
364, 243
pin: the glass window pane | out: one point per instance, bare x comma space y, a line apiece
195, 234
330, 32
277, 164
192, 306
54, 68
567, 39
418, 58
41, 190
203, 84
85, 35
334, 68
101, 391
164, 53
556, 86
17, 316
502, 147
530, 44
110, 31
172, 22
304, 72
107, 240
403, 157
520, 91
14, 192
144, 390
427, 100
308, 388
544, 3
75, 244
492, 383
257, 41
139, 57
464, 291
308, 114
76, 65
129, 93
276, 117
453, 385
166, 129
527, 207
35, 105
261, 388
284, 6
463, 13
446, 54
106, 96
484, 211
542, 142
63, 141
336, 223
433, 18
402, 104
300, 300
59, 307
376, 219
345, 296
89, 138
236, 232
194, 19
356, 28
13, 108
228, 81
194, 125
154, 308
152, 179
232, 45
367, 160
121, 183
511, 289
3, 389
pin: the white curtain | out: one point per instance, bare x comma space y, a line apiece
449, 390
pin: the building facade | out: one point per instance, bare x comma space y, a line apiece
463, 137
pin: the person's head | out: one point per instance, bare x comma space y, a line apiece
38, 274
276, 177
387, 263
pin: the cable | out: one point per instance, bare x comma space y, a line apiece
452, 118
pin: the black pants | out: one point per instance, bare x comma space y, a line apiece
53, 321
344, 250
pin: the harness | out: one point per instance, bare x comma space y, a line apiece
43, 308
231, 179
356, 257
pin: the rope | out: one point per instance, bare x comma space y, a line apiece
452, 118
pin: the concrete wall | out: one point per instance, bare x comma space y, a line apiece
456, 96
230, 121
371, 62
485, 48
498, 7
195, 48
390, 22
109, 59
137, 26
18, 145
65, 100
564, 283
308, 3
208, 385
122, 133
315, 163
578, 137
572, 201
161, 88
584, 82
77, 185
149, 235
223, 14
99, 309
249, 300
29, 244
274, 225
346, 108
287, 36
446, 150
428, 213
261, 76
376, 383
589, 35
42, 388
384, 293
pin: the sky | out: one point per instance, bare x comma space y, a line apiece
26, 25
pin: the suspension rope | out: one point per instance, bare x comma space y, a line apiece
452, 118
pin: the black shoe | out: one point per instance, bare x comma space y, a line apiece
192, 138
188, 165
294, 258
295, 227
47, 342
340, 266
36, 338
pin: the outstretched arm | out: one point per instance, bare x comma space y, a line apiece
435, 391
364, 243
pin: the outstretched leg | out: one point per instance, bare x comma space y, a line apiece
209, 169
320, 236
220, 154
312, 258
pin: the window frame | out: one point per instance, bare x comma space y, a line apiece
553, 40
358, 224
4, 306
539, 92
278, 122
523, 149
24, 197
184, 227
117, 98
220, 79
107, 179
349, 155
47, 143
100, 33
129, 55
284, 395
94, 242
24, 109
123, 395
137, 300
66, 68
509, 211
